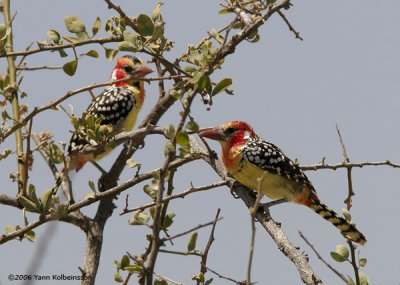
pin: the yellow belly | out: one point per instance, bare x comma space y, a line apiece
273, 185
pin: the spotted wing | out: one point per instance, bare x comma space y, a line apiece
114, 104
270, 158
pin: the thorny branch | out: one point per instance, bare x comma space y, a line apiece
59, 47
69, 94
211, 239
176, 196
340, 275
191, 230
86, 202
348, 202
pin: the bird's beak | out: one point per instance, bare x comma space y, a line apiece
211, 133
142, 71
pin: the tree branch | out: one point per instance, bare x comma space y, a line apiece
53, 48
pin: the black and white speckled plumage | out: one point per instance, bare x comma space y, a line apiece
114, 104
270, 158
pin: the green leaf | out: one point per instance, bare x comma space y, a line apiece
129, 37
145, 25
342, 250
9, 229
168, 220
132, 163
171, 131
363, 262
30, 236
363, 278
209, 281
192, 241
221, 86
90, 195
160, 281
350, 281
89, 118
199, 277
133, 268
192, 126
124, 261
82, 36
111, 53
139, 218
156, 12
72, 40
169, 148
70, 67
92, 53
190, 68
346, 214
117, 277
62, 53
74, 24
46, 200
158, 32
4, 32
337, 257
150, 190
62, 211
92, 186
54, 36
127, 46
204, 83
28, 204
182, 138
96, 26
32, 195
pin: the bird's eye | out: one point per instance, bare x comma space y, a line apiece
128, 69
229, 131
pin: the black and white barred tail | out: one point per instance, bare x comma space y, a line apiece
348, 230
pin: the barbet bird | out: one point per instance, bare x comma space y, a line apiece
250, 159
119, 104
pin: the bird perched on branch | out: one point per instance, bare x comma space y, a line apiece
119, 105
252, 160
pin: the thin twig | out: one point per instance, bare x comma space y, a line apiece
253, 212
296, 33
340, 275
354, 261
335, 166
178, 195
226, 278
44, 67
27, 159
211, 239
191, 230
59, 47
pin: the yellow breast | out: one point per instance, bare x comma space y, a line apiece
273, 185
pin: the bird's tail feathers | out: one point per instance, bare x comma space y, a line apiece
347, 229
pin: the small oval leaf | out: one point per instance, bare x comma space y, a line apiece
145, 25
70, 67
192, 241
221, 86
96, 26
74, 24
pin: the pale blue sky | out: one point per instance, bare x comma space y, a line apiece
345, 72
